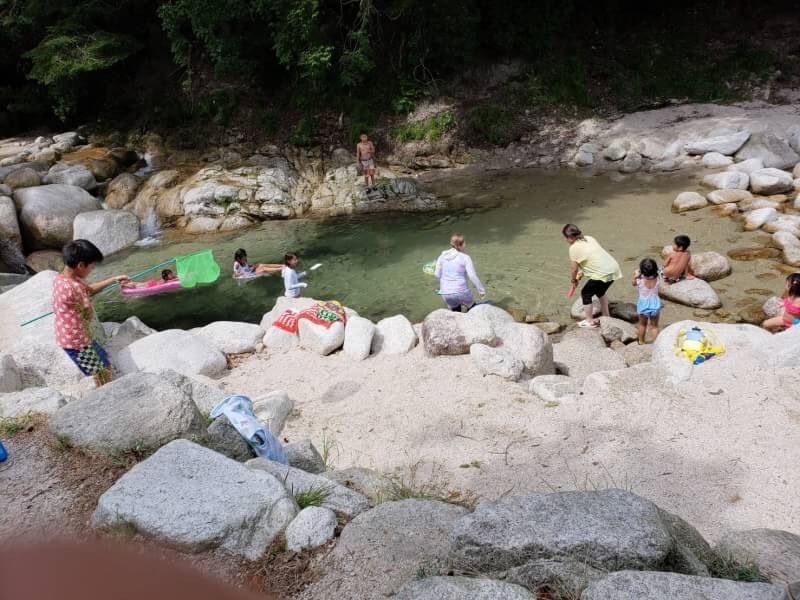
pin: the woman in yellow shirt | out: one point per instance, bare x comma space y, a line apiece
597, 265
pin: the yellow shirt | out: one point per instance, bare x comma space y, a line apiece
594, 261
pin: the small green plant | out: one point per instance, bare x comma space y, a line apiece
724, 565
329, 447
123, 527
431, 129
313, 496
63, 443
433, 485
492, 124
10, 426
475, 464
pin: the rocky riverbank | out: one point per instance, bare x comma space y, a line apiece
397, 429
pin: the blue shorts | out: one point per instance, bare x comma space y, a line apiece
89, 359
650, 313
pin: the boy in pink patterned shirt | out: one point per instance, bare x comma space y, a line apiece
72, 307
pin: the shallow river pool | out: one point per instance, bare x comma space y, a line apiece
512, 221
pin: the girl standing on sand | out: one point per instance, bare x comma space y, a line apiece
597, 265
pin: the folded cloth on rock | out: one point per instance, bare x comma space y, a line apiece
239, 410
322, 313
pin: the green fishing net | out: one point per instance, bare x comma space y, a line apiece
199, 267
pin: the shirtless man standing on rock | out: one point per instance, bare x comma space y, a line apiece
365, 153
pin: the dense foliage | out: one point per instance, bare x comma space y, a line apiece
178, 60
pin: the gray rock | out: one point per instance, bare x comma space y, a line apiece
772, 150
714, 160
625, 311
708, 266
358, 334
45, 260
223, 437
576, 310
10, 378
70, 174
631, 163
605, 530
691, 292
137, 411
122, 335
320, 339
688, 201
496, 361
383, 549
394, 335
573, 357
773, 306
31, 400
775, 552
272, 410
645, 585
341, 157
110, 230
636, 354
9, 225
616, 329
495, 316
567, 577
372, 484
727, 180
758, 217
175, 349
314, 526
304, 456
22, 178
770, 181
462, 588
728, 196
122, 190
46, 213
555, 388
280, 340
747, 166
341, 500
584, 159
790, 246
724, 144
445, 332
72, 138
616, 150
549, 327
232, 337
195, 499
529, 344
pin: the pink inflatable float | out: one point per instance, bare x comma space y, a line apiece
161, 287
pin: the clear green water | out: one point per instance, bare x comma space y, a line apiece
512, 221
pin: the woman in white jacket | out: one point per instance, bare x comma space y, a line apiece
453, 270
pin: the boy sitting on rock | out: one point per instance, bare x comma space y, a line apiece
676, 266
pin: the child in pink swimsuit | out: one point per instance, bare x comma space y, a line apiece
790, 315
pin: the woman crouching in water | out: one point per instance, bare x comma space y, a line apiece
454, 269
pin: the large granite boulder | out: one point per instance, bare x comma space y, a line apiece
10, 378
539, 539
140, 410
31, 400
708, 266
462, 588
394, 335
232, 337
688, 201
70, 174
358, 334
445, 332
528, 344
501, 362
110, 230
9, 225
319, 338
303, 455
772, 150
121, 190
181, 351
22, 178
691, 292
723, 144
775, 553
727, 180
612, 329
311, 528
224, 438
383, 549
648, 585
771, 181
582, 352
728, 196
195, 499
46, 213
789, 245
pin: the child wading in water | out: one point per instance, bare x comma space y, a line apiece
242, 268
790, 315
676, 265
72, 307
291, 278
453, 269
648, 306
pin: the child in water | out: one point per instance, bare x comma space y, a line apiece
676, 265
166, 275
648, 306
790, 315
291, 278
242, 268
453, 269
